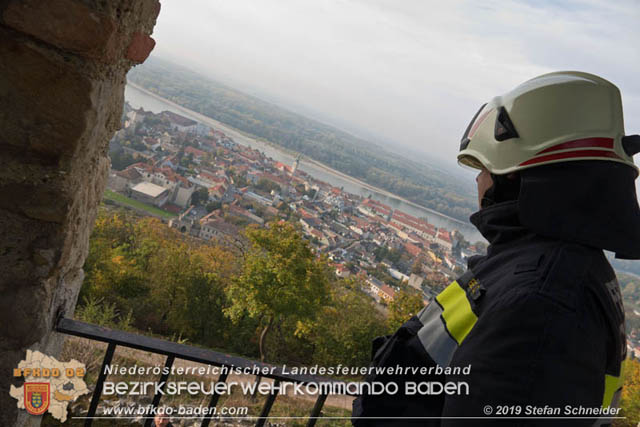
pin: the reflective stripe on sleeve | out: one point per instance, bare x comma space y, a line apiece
446, 321
457, 313
611, 386
433, 335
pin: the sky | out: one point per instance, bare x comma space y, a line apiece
408, 74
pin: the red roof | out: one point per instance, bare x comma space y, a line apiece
170, 207
271, 177
282, 166
144, 166
304, 213
129, 173
444, 235
194, 151
217, 189
377, 207
360, 223
412, 249
388, 290
172, 176
374, 203
178, 119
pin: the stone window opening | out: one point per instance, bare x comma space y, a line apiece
63, 66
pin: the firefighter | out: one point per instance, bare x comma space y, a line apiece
538, 321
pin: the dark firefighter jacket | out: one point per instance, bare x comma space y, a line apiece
539, 320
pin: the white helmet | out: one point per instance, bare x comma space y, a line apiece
557, 117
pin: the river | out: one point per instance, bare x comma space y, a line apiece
138, 97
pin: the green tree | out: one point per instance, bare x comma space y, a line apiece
267, 185
402, 307
281, 279
345, 327
630, 400
212, 206
141, 273
416, 268
121, 160
200, 196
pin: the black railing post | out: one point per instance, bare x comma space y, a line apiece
214, 400
97, 392
172, 350
317, 408
163, 380
268, 404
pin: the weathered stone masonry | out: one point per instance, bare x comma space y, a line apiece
62, 74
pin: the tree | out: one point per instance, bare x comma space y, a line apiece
143, 274
630, 400
200, 196
121, 160
402, 307
267, 185
281, 279
346, 327
212, 206
416, 268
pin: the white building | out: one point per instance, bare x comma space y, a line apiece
150, 193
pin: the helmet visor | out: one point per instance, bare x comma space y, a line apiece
464, 141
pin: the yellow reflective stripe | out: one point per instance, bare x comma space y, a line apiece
456, 311
612, 384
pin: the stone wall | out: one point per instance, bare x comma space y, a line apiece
63, 66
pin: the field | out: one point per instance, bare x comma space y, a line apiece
126, 201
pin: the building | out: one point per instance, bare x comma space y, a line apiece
218, 229
180, 189
124, 180
415, 281
374, 285
180, 123
342, 271
217, 192
258, 198
149, 193
241, 212
386, 293
197, 155
444, 239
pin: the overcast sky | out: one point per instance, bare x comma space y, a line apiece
409, 72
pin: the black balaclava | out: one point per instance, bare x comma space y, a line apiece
590, 202
505, 188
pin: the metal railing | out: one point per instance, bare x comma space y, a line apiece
175, 351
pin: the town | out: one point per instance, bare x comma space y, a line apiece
213, 187
205, 185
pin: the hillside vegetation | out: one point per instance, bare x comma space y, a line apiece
144, 276
275, 299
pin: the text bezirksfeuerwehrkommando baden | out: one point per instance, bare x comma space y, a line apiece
286, 370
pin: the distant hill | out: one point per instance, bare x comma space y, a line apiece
422, 184
627, 265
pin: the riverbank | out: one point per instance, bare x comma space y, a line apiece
378, 190
255, 140
310, 166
